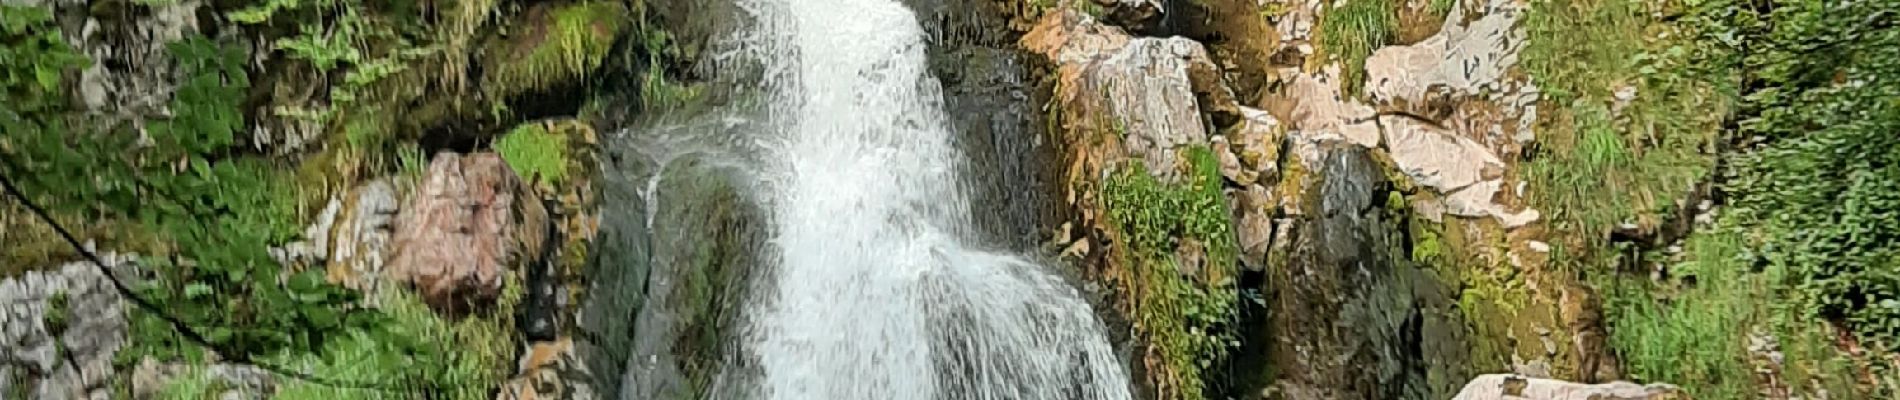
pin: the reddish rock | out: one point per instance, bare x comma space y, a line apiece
470, 222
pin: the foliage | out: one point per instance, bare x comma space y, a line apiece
1807, 231
1599, 164
568, 43
220, 208
536, 153
1353, 30
1697, 328
36, 57
421, 353
1820, 194
1185, 318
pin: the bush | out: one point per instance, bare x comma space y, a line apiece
1185, 319
1820, 191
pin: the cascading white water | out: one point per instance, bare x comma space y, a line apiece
878, 291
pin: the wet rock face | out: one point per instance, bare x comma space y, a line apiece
471, 222
59, 329
1352, 316
1512, 387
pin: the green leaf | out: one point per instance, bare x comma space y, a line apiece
197, 290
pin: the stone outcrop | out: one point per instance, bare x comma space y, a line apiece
471, 222
1149, 94
1517, 387
59, 330
550, 370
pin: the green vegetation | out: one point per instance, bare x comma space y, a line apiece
220, 210
1352, 31
1597, 166
195, 384
1806, 241
421, 353
1185, 316
536, 153
1697, 328
220, 207
1820, 195
568, 43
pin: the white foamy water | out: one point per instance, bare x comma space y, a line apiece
878, 290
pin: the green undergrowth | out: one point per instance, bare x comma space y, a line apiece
535, 153
1185, 317
1819, 185
423, 354
1805, 242
1351, 30
1597, 166
1696, 329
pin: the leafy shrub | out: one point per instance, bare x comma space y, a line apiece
1185, 318
192, 186
1821, 192
1353, 30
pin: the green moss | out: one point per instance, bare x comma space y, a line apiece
558, 44
1352, 31
536, 153
1183, 317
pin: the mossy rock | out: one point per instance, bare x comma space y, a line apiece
552, 45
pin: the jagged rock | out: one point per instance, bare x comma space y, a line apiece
1257, 141
471, 222
550, 371
1466, 171
358, 244
131, 74
1348, 308
1436, 157
1255, 228
59, 329
1459, 62
1150, 92
1322, 113
1230, 166
1515, 387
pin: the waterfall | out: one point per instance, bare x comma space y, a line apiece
878, 288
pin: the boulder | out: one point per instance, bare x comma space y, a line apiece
1517, 387
471, 222
1150, 93
59, 329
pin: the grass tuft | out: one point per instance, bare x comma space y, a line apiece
1352, 30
